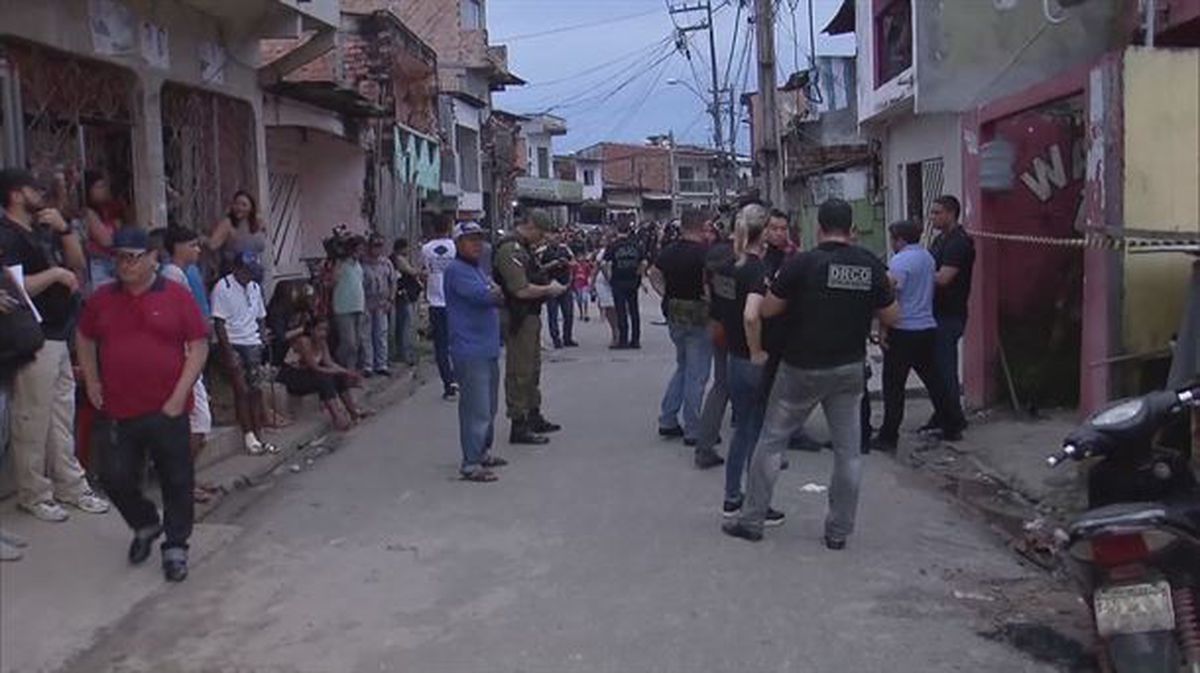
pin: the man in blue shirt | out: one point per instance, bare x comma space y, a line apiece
473, 324
911, 343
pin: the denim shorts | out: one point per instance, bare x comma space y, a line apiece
251, 359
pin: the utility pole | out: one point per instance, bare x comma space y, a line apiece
764, 25
716, 104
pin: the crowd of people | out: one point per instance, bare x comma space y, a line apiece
781, 331
136, 316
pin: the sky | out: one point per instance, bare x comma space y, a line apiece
610, 68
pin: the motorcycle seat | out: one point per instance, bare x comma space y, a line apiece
1183, 515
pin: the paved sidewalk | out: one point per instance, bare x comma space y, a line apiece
74, 582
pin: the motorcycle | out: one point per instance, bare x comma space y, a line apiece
1136, 551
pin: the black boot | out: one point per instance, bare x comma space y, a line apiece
539, 424
522, 433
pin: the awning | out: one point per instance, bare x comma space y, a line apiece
842, 22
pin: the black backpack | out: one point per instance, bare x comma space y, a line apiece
20, 333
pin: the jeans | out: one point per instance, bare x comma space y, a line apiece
402, 324
165, 439
949, 331
685, 390
350, 327
746, 395
583, 297
441, 344
629, 317
478, 401
713, 412
375, 341
907, 350
793, 397
564, 304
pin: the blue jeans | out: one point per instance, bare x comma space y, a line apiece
563, 303
693, 360
745, 384
402, 325
629, 317
949, 332
478, 400
441, 344
376, 340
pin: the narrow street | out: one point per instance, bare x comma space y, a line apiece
601, 552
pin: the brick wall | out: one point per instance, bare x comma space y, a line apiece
634, 166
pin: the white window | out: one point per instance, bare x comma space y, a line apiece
472, 14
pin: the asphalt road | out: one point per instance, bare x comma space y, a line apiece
599, 553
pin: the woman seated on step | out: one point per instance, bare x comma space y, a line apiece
309, 368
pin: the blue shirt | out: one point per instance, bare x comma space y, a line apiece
196, 284
472, 316
913, 269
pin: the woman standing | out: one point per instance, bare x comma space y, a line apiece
408, 293
102, 218
604, 294
239, 233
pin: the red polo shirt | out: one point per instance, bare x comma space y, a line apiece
140, 340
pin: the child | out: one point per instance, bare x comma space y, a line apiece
581, 281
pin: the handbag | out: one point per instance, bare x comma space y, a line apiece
21, 335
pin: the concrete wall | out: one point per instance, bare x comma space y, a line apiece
331, 172
912, 139
968, 53
65, 25
1162, 186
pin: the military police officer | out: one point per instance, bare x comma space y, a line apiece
525, 287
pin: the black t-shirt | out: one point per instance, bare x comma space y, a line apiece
557, 253
832, 294
34, 251
774, 259
731, 284
626, 257
720, 255
954, 248
682, 266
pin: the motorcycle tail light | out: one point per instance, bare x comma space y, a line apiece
1112, 551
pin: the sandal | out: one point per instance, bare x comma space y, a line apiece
493, 461
479, 476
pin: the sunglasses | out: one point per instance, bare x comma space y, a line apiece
131, 257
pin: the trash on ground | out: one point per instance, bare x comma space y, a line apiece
813, 488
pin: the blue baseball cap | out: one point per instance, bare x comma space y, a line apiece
133, 239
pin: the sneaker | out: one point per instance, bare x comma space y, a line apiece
13, 539
834, 544
89, 502
774, 518
670, 432
731, 508
9, 552
386, 373
174, 564
570, 343
451, 392
740, 530
708, 459
47, 510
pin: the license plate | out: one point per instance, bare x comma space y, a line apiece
1134, 608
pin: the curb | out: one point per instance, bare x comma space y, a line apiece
239, 471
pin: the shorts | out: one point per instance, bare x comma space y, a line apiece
200, 419
251, 358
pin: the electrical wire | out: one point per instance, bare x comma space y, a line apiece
645, 50
641, 102
630, 73
578, 26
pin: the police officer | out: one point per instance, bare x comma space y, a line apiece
830, 296
525, 287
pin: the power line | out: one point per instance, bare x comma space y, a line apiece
637, 68
643, 50
578, 26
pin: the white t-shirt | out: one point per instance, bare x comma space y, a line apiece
436, 255
241, 307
